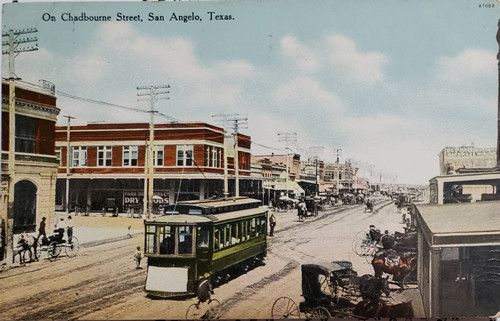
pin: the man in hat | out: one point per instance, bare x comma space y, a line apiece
205, 290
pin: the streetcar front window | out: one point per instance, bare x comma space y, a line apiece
150, 239
167, 240
203, 236
185, 240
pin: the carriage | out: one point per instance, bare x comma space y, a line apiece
335, 290
55, 243
329, 289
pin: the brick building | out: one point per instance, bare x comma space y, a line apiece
107, 164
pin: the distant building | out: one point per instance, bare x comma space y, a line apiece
35, 165
452, 159
107, 165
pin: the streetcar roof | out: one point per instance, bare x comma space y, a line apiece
220, 202
201, 218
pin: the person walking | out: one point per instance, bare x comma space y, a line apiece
138, 257
272, 224
41, 231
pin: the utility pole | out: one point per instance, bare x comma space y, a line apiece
287, 138
315, 151
224, 118
236, 125
27, 44
68, 159
152, 91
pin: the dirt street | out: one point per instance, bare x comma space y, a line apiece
101, 282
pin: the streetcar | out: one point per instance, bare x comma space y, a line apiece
203, 237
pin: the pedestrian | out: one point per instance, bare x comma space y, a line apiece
138, 257
69, 228
272, 224
41, 231
59, 229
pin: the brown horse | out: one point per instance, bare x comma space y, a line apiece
378, 308
400, 271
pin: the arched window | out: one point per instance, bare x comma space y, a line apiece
24, 207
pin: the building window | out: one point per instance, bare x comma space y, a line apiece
78, 156
104, 155
213, 157
58, 155
130, 155
158, 156
185, 155
25, 134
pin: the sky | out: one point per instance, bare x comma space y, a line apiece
390, 83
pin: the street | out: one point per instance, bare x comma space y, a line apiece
101, 282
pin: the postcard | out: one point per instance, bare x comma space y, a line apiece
250, 159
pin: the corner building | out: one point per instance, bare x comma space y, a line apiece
106, 165
33, 172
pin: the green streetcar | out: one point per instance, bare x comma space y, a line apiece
214, 236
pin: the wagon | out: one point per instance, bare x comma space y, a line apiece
55, 243
329, 289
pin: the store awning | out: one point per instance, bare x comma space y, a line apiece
290, 186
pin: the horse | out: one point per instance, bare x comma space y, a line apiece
381, 309
27, 243
405, 264
371, 288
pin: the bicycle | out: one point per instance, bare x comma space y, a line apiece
204, 310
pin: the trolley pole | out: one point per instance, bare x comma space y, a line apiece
152, 91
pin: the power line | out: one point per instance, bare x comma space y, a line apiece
100, 102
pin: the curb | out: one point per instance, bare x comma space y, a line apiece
110, 240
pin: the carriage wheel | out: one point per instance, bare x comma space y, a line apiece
53, 250
361, 246
284, 308
320, 313
72, 247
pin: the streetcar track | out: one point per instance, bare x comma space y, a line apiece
261, 284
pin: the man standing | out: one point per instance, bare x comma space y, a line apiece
272, 224
69, 228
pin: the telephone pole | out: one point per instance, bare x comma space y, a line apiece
153, 92
15, 45
315, 151
68, 159
236, 125
287, 138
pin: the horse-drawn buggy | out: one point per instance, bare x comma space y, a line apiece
55, 243
335, 290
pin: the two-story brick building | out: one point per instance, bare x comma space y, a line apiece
107, 164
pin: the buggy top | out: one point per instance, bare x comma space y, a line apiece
311, 285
